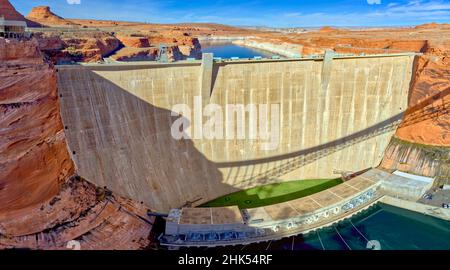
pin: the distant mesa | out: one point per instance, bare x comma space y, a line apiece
433, 25
44, 16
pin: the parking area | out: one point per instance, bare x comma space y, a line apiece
437, 198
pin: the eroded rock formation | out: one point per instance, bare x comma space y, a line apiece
40, 208
43, 206
85, 47
428, 119
189, 46
93, 217
146, 47
33, 155
136, 54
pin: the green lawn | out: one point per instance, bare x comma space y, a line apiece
274, 193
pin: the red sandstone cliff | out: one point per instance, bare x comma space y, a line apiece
146, 47
433, 25
44, 16
90, 48
93, 217
85, 47
134, 41
428, 120
30, 128
9, 12
39, 207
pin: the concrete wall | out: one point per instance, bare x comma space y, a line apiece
118, 123
430, 210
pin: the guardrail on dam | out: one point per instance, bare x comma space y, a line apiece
337, 113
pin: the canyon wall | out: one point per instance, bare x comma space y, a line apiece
45, 17
422, 142
41, 206
9, 12
428, 120
335, 115
426, 124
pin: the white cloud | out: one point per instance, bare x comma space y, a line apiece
410, 13
374, 2
73, 2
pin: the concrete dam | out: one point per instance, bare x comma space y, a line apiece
336, 113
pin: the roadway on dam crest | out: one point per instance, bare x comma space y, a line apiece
334, 114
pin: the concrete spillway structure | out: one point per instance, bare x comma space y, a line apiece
337, 114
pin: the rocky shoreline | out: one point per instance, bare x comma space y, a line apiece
284, 49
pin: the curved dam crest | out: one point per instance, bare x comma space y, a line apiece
335, 114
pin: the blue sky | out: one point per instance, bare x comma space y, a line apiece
275, 13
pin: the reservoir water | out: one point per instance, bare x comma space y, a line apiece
228, 50
388, 227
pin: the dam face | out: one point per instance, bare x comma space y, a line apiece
335, 114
